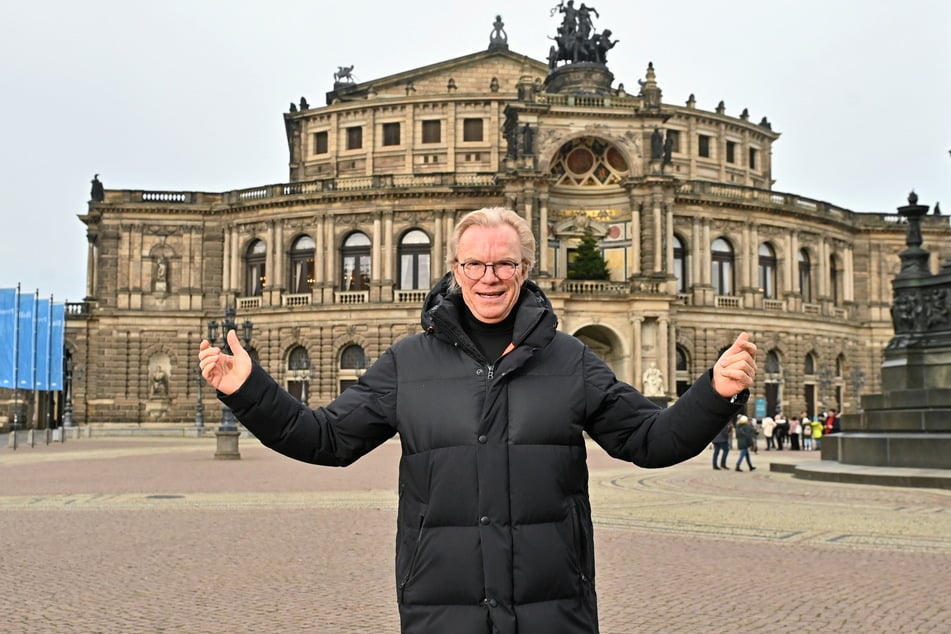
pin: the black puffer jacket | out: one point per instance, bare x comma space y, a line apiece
494, 531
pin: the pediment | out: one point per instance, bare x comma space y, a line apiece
469, 74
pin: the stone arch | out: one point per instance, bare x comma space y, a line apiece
590, 160
606, 343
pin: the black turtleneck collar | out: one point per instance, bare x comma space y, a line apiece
491, 339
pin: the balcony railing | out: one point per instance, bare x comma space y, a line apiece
774, 304
244, 303
811, 309
296, 299
728, 301
78, 310
594, 287
409, 296
351, 297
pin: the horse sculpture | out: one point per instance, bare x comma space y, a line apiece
343, 74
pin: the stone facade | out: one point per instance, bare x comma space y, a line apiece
379, 175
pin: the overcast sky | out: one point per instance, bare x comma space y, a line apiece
189, 94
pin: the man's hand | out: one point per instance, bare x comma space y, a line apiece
226, 373
736, 368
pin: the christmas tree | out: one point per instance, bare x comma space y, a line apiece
588, 263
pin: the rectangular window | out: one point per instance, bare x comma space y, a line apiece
391, 134
731, 152
703, 145
355, 138
432, 131
674, 136
471, 130
320, 142
752, 158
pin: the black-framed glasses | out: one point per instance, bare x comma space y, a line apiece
475, 270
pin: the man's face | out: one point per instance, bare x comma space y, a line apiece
490, 299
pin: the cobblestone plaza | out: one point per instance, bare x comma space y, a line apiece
155, 535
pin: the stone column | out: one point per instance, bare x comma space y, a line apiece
376, 257
696, 249
669, 242
320, 257
638, 360
278, 248
389, 252
543, 264
437, 266
705, 266
848, 283
237, 257
662, 344
658, 211
635, 235
91, 268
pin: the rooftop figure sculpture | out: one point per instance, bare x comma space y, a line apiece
576, 39
343, 75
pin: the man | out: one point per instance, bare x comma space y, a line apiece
494, 530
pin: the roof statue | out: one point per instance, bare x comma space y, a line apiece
498, 38
576, 39
343, 75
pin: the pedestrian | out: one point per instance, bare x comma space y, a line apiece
769, 429
816, 434
491, 404
795, 429
744, 440
721, 447
806, 433
781, 431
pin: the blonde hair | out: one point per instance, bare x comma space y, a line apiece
493, 217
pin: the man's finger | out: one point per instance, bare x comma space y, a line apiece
234, 343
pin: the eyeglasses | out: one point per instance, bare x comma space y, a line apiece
475, 270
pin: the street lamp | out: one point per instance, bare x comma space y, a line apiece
68, 389
227, 325
199, 405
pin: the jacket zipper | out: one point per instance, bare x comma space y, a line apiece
490, 373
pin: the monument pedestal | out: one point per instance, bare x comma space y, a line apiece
227, 445
909, 425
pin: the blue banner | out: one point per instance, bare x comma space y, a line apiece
8, 335
57, 341
43, 332
26, 342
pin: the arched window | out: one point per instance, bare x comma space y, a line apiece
302, 265
353, 358
353, 362
722, 267
683, 371
680, 265
255, 271
773, 383
809, 364
355, 263
414, 261
767, 271
805, 276
298, 373
298, 359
